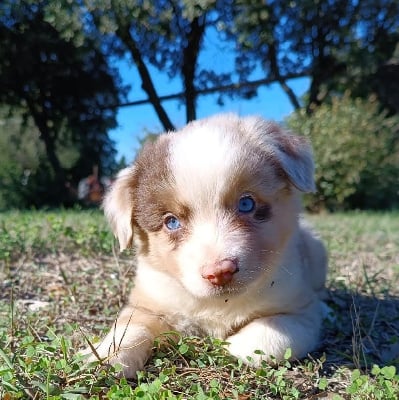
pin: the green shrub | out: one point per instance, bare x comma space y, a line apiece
26, 178
356, 151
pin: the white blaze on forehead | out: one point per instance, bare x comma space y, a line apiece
203, 158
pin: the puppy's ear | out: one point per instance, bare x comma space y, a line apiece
293, 153
118, 205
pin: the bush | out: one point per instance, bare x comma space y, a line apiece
26, 176
21, 159
356, 149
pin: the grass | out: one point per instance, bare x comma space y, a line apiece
60, 282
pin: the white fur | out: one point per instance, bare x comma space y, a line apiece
275, 334
213, 239
214, 314
196, 154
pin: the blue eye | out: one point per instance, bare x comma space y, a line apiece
246, 204
172, 223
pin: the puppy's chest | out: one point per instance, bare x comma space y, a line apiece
217, 324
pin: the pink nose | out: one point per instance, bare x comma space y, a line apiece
220, 273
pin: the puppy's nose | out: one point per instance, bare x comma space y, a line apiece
220, 273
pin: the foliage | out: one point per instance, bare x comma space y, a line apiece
356, 149
66, 90
339, 44
16, 166
385, 386
25, 173
167, 35
45, 367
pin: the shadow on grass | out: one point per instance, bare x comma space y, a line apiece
363, 331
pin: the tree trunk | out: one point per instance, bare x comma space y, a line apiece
58, 192
314, 90
146, 81
190, 58
48, 139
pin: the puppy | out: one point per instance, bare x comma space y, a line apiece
213, 211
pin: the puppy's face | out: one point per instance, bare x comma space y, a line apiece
213, 204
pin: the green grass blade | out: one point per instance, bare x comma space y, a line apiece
6, 359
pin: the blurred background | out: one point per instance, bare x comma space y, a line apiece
84, 82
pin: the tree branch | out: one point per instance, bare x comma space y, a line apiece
216, 89
146, 81
275, 70
190, 58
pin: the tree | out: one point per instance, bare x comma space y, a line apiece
166, 34
67, 90
339, 44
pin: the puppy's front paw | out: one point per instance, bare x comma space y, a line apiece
272, 336
246, 349
130, 348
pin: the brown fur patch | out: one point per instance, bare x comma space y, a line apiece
155, 194
263, 212
154, 185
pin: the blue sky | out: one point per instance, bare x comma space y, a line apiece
135, 121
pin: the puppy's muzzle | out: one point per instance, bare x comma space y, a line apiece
221, 272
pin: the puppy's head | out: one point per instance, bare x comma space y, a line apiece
214, 204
